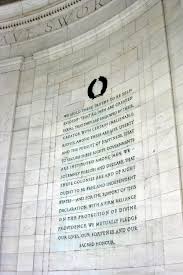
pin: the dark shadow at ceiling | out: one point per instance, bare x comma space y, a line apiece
4, 2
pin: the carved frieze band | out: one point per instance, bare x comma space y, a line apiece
47, 21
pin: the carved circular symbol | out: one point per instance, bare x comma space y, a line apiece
103, 90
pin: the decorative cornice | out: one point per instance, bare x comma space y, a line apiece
49, 20
38, 17
105, 29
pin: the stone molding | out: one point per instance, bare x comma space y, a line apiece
49, 20
39, 16
11, 64
105, 29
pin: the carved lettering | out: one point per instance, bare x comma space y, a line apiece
98, 4
49, 27
30, 32
66, 19
21, 35
10, 38
98, 174
82, 12
2, 40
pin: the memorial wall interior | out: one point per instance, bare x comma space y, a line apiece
91, 137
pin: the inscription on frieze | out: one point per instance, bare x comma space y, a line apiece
19, 34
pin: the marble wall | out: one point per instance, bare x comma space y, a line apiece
142, 51
9, 79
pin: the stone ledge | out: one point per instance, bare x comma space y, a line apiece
11, 64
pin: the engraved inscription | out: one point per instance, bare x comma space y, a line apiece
98, 188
